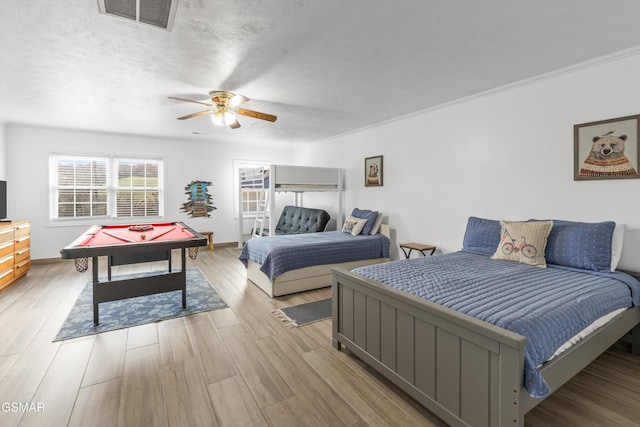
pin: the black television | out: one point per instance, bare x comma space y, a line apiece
3, 200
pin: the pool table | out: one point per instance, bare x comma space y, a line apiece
132, 244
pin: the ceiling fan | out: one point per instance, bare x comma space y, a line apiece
224, 109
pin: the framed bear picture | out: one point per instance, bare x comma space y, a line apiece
607, 149
373, 171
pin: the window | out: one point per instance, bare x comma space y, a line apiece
250, 202
89, 187
82, 187
250, 198
138, 193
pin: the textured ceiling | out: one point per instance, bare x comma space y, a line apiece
323, 67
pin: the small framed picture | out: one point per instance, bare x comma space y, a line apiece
373, 171
607, 149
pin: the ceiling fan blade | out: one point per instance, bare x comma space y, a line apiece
235, 124
201, 113
191, 100
256, 115
237, 100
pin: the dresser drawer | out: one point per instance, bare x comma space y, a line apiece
6, 277
22, 254
7, 234
6, 248
23, 230
23, 242
6, 262
21, 268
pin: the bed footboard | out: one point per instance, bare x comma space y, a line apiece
465, 371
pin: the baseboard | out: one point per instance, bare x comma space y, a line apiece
225, 244
42, 261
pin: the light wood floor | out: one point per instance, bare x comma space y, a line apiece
238, 366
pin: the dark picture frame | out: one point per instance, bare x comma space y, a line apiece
607, 149
373, 171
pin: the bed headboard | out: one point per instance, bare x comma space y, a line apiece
385, 230
630, 259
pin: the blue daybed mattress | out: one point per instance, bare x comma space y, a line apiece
548, 306
279, 254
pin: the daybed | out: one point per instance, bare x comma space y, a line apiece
462, 353
285, 264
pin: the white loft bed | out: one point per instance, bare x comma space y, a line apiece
283, 178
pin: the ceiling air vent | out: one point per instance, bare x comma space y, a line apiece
160, 13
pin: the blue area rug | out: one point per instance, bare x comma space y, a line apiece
140, 310
303, 314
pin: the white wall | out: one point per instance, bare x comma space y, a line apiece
3, 155
27, 158
508, 154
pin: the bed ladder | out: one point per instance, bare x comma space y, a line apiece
261, 213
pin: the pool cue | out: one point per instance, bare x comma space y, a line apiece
161, 234
124, 239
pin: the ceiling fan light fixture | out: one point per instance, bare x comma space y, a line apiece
224, 109
223, 117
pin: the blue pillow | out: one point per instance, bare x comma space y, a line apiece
482, 236
370, 216
581, 245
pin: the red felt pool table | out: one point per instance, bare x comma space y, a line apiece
132, 244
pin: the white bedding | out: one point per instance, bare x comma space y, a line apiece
597, 324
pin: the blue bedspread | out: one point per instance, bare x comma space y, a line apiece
279, 254
548, 306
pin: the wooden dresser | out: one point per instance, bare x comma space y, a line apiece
15, 248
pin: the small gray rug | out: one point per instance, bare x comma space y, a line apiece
140, 310
303, 314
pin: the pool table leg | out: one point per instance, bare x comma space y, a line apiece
184, 273
94, 264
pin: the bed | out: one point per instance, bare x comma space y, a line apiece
466, 365
285, 179
286, 264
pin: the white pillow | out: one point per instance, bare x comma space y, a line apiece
616, 245
376, 224
353, 225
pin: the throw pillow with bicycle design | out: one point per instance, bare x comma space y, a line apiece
523, 242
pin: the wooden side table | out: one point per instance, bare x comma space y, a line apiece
418, 247
209, 235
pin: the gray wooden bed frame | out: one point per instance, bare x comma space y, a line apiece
465, 371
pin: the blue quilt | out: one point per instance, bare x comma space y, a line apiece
279, 254
548, 306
